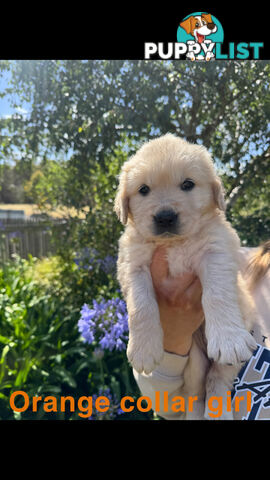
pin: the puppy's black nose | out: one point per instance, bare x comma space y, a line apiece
166, 220
211, 26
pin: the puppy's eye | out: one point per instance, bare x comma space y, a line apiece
144, 190
187, 185
197, 24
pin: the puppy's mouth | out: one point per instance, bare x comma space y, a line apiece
200, 38
166, 234
204, 31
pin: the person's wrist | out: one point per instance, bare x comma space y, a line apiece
179, 348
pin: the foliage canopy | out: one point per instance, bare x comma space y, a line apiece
90, 115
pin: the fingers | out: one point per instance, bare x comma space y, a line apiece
177, 287
183, 291
194, 292
159, 267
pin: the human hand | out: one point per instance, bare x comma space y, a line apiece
179, 301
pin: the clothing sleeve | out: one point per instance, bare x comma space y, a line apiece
164, 383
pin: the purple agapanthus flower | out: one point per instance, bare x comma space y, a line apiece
86, 258
114, 409
89, 258
106, 324
108, 264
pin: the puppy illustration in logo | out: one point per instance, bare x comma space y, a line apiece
199, 26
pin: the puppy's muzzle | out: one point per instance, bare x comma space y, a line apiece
166, 221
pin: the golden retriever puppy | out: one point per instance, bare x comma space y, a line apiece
169, 194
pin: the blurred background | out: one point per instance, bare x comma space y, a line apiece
66, 128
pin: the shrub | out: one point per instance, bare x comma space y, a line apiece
42, 351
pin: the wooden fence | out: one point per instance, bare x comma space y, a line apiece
32, 236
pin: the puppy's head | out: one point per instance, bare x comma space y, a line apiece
199, 26
166, 189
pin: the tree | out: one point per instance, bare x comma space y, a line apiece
95, 113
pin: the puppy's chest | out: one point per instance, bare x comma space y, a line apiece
183, 259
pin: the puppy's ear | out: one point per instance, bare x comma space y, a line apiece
121, 200
207, 17
187, 24
218, 193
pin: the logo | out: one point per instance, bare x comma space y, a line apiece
200, 32
200, 37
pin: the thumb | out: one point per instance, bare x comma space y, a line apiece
159, 267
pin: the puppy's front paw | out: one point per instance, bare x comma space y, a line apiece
145, 354
230, 345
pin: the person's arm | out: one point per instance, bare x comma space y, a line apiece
181, 314
166, 381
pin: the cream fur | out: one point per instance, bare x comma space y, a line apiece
206, 244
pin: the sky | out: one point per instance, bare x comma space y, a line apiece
5, 108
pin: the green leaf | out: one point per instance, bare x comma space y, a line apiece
65, 376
